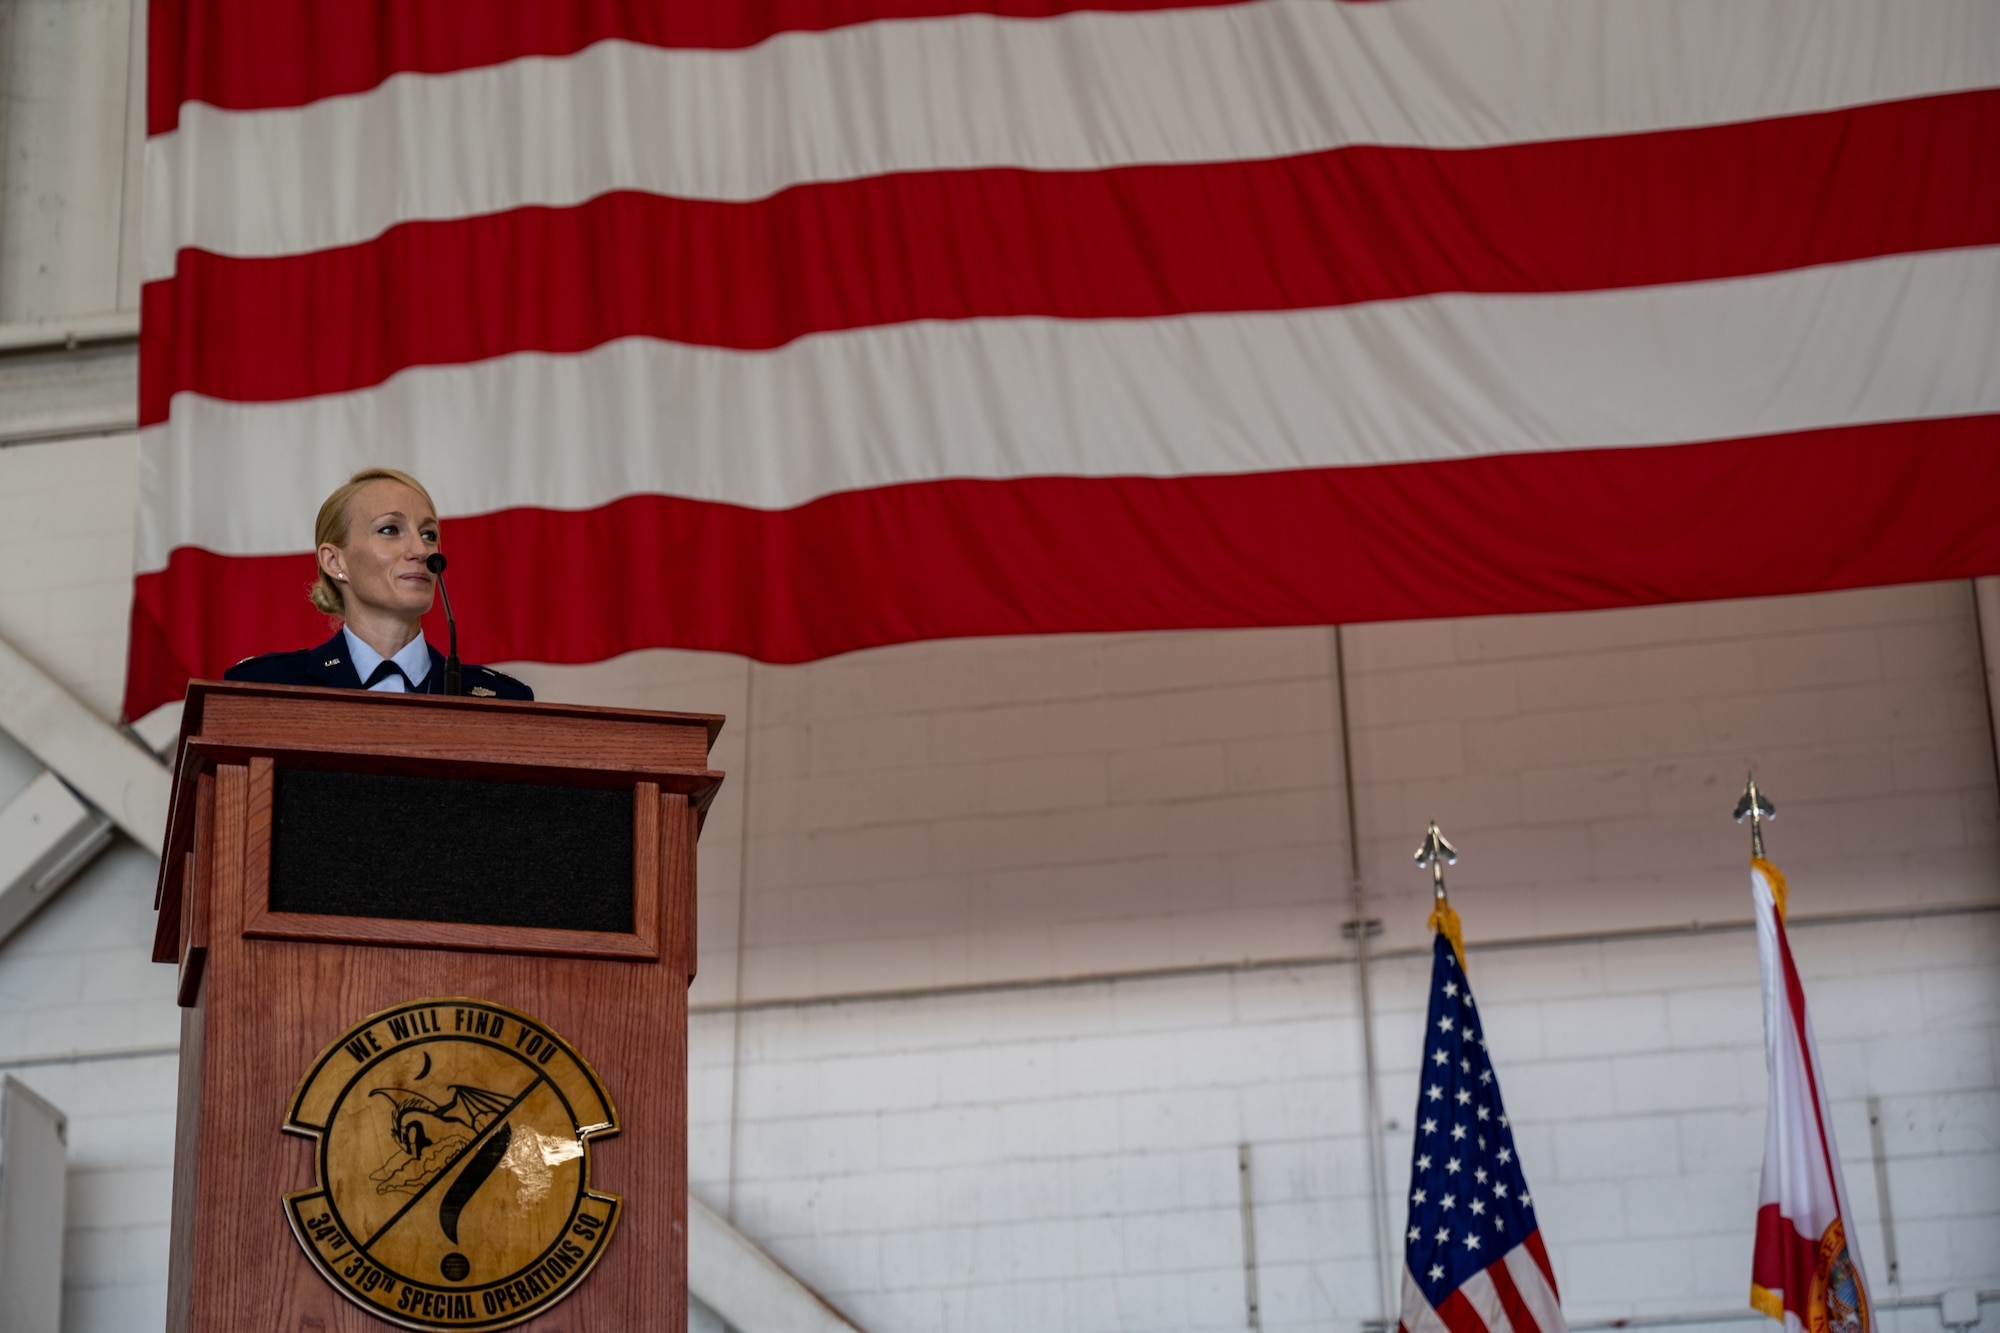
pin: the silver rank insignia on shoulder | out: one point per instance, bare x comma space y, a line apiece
484, 693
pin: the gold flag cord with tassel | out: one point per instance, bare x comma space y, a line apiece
1777, 882
1444, 919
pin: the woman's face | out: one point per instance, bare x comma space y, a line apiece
390, 533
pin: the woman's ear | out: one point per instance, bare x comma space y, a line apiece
331, 562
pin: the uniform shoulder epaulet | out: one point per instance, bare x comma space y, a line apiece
486, 683
269, 657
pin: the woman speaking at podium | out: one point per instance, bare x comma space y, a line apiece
375, 535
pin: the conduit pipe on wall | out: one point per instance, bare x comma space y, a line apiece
1986, 618
1378, 1153
1401, 953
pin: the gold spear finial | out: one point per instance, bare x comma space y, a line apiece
1437, 853
1756, 807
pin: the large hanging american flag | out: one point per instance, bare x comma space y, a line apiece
787, 327
1473, 1255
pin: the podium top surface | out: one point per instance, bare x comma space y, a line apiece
431, 735
199, 692
504, 739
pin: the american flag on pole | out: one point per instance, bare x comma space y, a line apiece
1473, 1255
1805, 1271
789, 327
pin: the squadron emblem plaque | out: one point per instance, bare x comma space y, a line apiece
454, 1165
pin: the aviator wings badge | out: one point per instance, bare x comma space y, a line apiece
454, 1166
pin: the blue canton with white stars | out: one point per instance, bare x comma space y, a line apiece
1469, 1202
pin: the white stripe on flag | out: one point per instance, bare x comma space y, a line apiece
1484, 1298
1536, 1294
1418, 1316
1085, 91
1796, 1153
1433, 378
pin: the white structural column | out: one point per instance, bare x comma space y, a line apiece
33, 1200
751, 1291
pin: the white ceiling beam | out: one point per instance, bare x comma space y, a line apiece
69, 332
47, 835
59, 382
94, 758
752, 1292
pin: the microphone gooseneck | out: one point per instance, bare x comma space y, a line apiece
452, 671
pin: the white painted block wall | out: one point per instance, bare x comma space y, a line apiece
1065, 1157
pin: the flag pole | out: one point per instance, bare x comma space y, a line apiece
1757, 808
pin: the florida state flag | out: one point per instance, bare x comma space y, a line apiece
1805, 1272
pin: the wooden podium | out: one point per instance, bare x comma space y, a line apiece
446, 944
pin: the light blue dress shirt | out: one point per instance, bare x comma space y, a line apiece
414, 659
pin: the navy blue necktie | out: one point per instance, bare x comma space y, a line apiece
383, 672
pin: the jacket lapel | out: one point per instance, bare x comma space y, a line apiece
329, 664
434, 682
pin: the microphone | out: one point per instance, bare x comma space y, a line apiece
435, 564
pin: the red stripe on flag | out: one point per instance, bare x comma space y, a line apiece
1816, 510
1519, 1316
1324, 229
1783, 1260
1540, 1254
1795, 1002
246, 54
1459, 1316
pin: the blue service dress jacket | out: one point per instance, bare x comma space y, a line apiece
329, 665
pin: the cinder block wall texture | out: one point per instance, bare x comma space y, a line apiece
1010, 946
